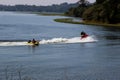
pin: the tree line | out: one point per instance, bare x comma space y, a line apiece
102, 11
53, 8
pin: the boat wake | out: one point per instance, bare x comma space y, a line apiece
51, 41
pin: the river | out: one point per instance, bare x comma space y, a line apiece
55, 59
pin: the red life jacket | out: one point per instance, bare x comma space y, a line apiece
84, 36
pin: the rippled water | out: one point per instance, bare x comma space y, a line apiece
57, 61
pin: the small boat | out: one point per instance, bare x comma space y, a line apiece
34, 44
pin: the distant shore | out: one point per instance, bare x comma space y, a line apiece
48, 13
70, 20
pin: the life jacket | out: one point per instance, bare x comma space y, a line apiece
84, 36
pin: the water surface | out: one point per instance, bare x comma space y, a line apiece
58, 61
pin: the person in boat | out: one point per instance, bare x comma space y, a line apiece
29, 41
83, 35
34, 41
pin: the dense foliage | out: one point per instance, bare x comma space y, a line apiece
104, 11
53, 8
78, 11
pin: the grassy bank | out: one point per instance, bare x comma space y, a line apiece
43, 13
48, 14
70, 20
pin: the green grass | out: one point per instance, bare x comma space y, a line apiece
46, 13
70, 20
49, 14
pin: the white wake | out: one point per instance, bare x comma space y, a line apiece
13, 43
53, 41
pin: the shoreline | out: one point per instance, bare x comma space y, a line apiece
48, 13
70, 20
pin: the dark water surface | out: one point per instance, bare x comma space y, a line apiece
76, 61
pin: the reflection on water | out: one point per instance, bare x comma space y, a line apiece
111, 33
113, 37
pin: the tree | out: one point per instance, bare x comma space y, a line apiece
83, 3
105, 11
99, 1
78, 11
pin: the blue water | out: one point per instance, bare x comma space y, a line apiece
76, 61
